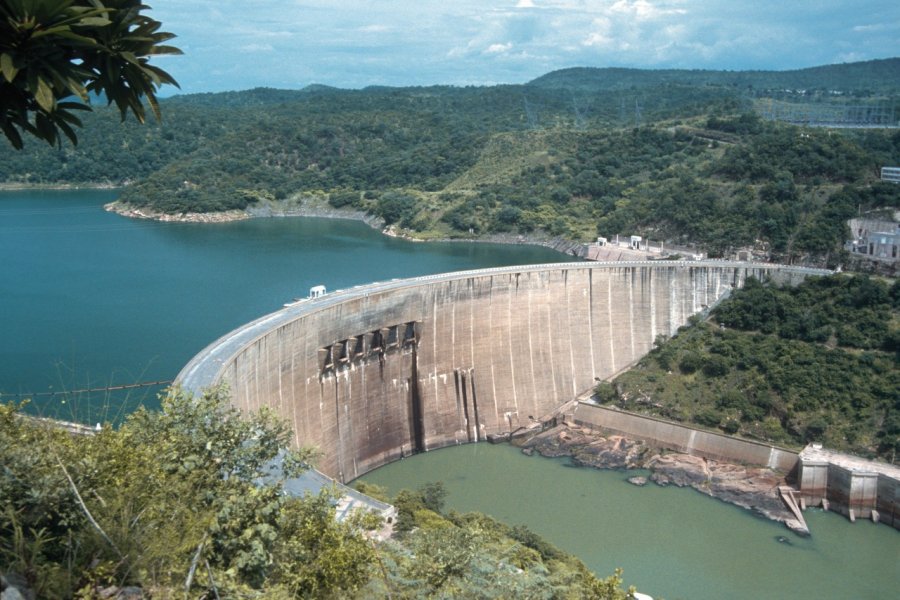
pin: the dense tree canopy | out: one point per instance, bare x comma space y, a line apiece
54, 50
816, 362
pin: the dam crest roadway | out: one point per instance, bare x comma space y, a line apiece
377, 372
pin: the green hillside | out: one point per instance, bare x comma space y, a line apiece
682, 156
859, 79
182, 503
815, 363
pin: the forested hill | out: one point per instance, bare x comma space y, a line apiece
683, 156
813, 363
861, 78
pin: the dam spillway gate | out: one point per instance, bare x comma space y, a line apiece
377, 372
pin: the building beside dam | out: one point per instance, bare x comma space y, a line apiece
374, 373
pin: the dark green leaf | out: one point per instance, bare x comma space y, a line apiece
8, 67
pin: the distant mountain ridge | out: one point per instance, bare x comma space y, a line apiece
882, 75
866, 78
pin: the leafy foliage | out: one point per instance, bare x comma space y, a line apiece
57, 49
473, 556
184, 501
168, 490
817, 362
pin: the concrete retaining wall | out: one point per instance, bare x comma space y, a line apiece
889, 501
864, 490
850, 485
378, 372
684, 439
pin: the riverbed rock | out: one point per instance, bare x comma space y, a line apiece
14, 587
587, 448
638, 481
753, 488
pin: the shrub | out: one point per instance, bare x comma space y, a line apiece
690, 363
343, 198
708, 417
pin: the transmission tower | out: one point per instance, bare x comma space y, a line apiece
580, 116
530, 114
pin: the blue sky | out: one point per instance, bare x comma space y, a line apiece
240, 44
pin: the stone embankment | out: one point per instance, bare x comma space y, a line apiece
753, 488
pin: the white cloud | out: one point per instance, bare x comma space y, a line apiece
498, 48
877, 27
257, 48
850, 56
643, 10
374, 28
409, 42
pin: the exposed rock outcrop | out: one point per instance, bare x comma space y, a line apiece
753, 488
14, 587
189, 217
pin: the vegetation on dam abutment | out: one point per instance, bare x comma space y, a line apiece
681, 156
171, 503
815, 363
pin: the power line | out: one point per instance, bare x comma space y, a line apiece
88, 390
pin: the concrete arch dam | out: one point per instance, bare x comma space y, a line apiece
377, 372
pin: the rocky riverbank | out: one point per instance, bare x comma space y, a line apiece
311, 206
188, 217
13, 186
753, 488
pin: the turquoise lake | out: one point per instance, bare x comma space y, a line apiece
90, 299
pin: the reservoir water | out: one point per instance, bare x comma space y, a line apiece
90, 299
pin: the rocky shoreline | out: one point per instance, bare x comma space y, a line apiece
189, 217
306, 208
19, 186
753, 488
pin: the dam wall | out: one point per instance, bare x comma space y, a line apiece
378, 372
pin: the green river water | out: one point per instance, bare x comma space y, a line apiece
90, 299
672, 543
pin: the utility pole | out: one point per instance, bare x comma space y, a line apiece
530, 114
580, 121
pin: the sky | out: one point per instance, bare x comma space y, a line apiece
288, 44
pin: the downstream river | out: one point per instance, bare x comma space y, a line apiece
672, 543
89, 299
